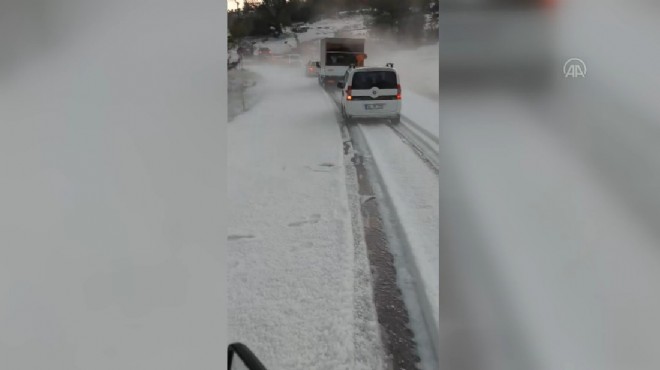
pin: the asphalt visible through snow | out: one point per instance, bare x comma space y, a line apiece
396, 334
408, 343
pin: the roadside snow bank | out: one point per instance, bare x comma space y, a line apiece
418, 67
279, 46
243, 91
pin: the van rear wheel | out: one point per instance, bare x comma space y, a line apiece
396, 120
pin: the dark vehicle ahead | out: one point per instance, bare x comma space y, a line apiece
264, 53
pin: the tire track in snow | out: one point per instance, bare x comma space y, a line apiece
417, 138
424, 151
385, 241
421, 129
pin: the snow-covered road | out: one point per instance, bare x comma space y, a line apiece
303, 291
295, 293
294, 126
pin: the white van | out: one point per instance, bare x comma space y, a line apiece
371, 92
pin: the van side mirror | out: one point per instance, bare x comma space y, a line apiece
340, 85
239, 357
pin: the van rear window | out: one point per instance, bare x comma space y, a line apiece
340, 59
380, 79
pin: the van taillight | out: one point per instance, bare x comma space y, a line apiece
349, 91
398, 92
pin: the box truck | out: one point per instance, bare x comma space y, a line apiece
337, 55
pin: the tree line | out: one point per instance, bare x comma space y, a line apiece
404, 19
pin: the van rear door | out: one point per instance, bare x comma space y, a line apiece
375, 90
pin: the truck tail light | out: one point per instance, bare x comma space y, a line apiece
349, 91
398, 92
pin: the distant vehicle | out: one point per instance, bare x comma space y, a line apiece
337, 54
311, 69
371, 92
264, 53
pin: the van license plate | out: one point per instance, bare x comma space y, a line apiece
373, 106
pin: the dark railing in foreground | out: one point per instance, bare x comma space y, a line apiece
239, 352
